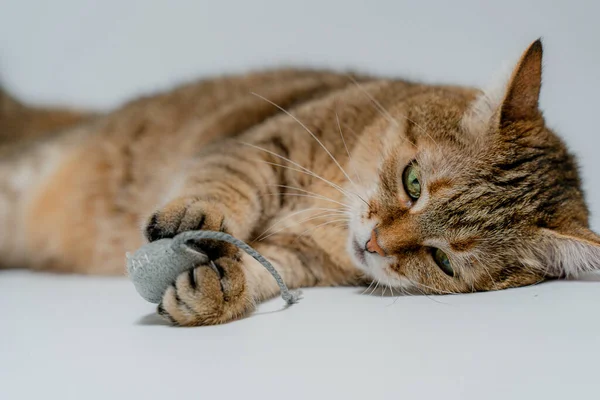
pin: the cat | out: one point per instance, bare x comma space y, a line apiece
337, 179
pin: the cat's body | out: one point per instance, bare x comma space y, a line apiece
104, 178
318, 191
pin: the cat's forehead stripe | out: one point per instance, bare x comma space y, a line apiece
462, 245
438, 185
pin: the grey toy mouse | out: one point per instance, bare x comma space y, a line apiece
156, 265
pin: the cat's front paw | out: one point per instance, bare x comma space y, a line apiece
190, 214
209, 294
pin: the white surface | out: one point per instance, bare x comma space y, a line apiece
99, 53
77, 338
81, 338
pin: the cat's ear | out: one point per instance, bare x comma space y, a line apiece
523, 90
569, 254
508, 98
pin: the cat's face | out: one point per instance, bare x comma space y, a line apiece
472, 194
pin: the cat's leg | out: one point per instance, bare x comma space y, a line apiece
232, 286
229, 188
225, 189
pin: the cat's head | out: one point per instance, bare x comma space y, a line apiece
473, 192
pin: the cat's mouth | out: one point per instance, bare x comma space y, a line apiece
359, 252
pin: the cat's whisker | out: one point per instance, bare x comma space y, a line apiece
302, 169
350, 161
426, 294
319, 216
485, 269
344, 220
406, 292
389, 116
312, 135
429, 297
299, 223
285, 218
310, 173
307, 192
432, 289
385, 286
392, 294
369, 287
375, 288
359, 142
403, 293
376, 103
371, 292
343, 206
378, 106
425, 132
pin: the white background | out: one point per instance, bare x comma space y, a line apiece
100, 53
82, 338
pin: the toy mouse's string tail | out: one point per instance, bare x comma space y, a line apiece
181, 239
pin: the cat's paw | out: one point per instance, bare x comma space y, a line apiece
190, 214
208, 295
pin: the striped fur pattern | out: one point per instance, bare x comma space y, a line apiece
306, 166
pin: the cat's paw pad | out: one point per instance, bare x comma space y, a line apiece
191, 214
207, 295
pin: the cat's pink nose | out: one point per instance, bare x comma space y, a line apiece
373, 246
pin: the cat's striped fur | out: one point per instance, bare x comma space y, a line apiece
305, 166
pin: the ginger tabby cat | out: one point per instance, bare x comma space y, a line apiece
337, 180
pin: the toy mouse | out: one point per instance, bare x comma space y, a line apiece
156, 265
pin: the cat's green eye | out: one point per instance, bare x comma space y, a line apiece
442, 261
411, 179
